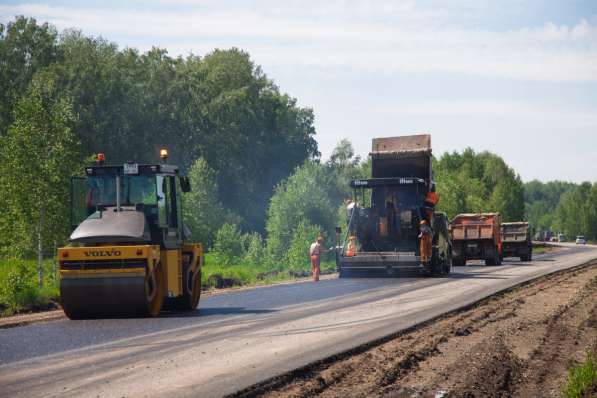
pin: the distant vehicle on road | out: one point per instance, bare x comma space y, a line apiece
553, 239
561, 238
581, 240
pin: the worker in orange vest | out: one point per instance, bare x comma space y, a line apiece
315, 252
425, 237
431, 200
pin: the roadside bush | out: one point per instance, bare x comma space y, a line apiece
18, 287
297, 255
301, 197
203, 212
255, 252
229, 245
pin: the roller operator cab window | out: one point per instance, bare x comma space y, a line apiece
89, 193
101, 190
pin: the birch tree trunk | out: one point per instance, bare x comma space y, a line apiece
40, 253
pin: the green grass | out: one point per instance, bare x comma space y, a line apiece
542, 248
215, 274
19, 291
582, 379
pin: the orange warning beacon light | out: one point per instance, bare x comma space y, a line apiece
164, 154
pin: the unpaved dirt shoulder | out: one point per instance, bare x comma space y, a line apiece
516, 344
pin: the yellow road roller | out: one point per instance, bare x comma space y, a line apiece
128, 254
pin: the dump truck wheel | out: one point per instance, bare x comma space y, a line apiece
155, 290
495, 260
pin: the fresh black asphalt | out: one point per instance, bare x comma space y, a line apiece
31, 341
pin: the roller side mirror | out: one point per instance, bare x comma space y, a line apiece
185, 184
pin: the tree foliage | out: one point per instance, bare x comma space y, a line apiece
229, 244
203, 212
37, 159
303, 197
541, 200
220, 108
25, 49
576, 213
303, 235
478, 182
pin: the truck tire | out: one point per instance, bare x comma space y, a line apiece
448, 263
438, 266
493, 260
437, 269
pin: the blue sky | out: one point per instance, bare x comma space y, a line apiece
518, 78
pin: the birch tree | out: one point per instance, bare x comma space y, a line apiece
39, 155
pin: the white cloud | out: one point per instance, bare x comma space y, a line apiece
380, 35
555, 117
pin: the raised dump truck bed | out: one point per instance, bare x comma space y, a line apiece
476, 237
516, 240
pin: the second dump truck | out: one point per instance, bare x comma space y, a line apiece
395, 208
516, 240
476, 237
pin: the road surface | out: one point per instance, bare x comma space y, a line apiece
237, 339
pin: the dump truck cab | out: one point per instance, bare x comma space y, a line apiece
386, 222
516, 240
128, 252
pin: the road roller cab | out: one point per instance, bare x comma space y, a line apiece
128, 254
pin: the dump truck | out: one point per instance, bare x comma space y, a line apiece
128, 253
476, 237
516, 240
393, 212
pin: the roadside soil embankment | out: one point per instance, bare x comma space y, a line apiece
515, 344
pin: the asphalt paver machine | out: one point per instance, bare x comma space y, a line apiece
385, 227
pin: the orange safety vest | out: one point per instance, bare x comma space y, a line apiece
351, 249
432, 197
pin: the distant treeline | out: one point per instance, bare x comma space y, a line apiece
562, 207
260, 191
